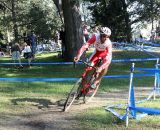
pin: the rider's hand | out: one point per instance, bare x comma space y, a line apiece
76, 59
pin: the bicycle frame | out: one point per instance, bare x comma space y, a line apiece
86, 83
82, 88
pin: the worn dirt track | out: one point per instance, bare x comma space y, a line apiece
53, 118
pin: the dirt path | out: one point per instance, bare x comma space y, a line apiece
53, 118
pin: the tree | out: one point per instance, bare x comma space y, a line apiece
24, 15
43, 19
114, 15
120, 15
11, 7
73, 27
146, 10
14, 17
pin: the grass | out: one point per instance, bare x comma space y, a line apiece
21, 97
98, 118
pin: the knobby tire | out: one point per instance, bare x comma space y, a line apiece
72, 95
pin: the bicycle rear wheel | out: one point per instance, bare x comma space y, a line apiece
72, 95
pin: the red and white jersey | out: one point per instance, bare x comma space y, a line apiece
102, 50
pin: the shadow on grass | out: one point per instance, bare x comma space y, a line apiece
41, 103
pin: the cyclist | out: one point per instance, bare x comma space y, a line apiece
103, 50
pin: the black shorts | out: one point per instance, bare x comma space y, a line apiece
28, 55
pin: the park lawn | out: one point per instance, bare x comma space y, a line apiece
18, 97
99, 119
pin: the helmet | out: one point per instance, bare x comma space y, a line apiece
105, 30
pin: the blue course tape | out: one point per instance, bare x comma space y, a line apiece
150, 111
136, 59
40, 63
153, 44
66, 79
38, 79
149, 70
69, 63
127, 76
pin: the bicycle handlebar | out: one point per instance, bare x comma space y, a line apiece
86, 63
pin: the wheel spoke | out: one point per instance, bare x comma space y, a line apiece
74, 93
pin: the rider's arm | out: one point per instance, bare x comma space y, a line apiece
108, 57
85, 46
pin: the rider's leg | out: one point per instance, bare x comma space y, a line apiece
99, 78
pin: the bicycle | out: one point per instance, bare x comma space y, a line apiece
82, 87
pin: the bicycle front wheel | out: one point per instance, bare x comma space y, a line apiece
72, 95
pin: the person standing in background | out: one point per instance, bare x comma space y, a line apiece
62, 38
16, 54
27, 53
33, 43
57, 38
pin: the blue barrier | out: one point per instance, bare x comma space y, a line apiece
127, 76
134, 59
69, 63
38, 79
67, 79
131, 109
40, 63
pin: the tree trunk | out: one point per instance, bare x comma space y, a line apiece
15, 27
58, 4
127, 21
73, 28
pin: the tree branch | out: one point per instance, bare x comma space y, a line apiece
59, 8
5, 5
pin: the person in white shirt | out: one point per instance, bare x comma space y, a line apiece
28, 53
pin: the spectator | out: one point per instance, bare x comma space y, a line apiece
152, 37
16, 54
62, 38
33, 43
27, 53
52, 45
57, 38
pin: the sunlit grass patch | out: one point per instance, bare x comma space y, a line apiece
98, 119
